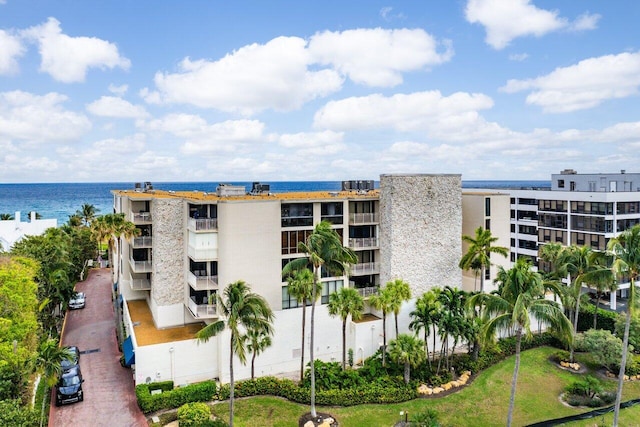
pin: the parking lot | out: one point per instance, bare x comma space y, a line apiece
109, 397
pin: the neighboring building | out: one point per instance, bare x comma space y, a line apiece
193, 244
12, 230
489, 210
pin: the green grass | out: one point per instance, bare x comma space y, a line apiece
483, 403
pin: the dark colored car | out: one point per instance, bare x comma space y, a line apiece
77, 301
74, 361
69, 387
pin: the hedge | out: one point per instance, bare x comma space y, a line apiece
173, 398
606, 319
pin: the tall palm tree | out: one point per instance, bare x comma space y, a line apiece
6, 217
478, 256
299, 287
408, 351
382, 301
241, 310
550, 253
257, 341
87, 213
626, 264
324, 250
519, 297
344, 303
111, 228
602, 279
452, 318
424, 317
48, 361
401, 292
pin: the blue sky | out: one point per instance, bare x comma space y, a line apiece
117, 90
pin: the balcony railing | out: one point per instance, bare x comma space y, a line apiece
142, 242
140, 217
201, 311
202, 282
138, 284
363, 242
203, 224
364, 218
202, 254
141, 266
367, 292
365, 268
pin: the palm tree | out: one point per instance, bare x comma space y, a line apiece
382, 301
451, 319
424, 317
478, 256
87, 213
550, 253
408, 351
520, 296
344, 303
602, 279
626, 264
111, 228
241, 309
401, 292
300, 288
48, 361
257, 340
6, 217
324, 249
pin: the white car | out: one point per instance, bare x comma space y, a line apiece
77, 301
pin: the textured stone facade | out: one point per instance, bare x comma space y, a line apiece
420, 230
168, 251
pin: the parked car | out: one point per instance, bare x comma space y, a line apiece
74, 361
69, 387
77, 301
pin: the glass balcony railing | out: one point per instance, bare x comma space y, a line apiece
365, 268
363, 242
202, 282
140, 266
140, 217
142, 242
202, 224
203, 310
364, 218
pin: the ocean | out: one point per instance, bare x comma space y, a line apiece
60, 200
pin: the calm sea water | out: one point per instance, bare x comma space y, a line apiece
61, 200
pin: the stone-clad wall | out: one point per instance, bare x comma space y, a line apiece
421, 228
168, 251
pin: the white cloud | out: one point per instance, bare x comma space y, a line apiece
518, 56
378, 57
34, 118
324, 143
111, 106
251, 79
404, 112
118, 90
126, 145
66, 58
11, 49
583, 85
505, 20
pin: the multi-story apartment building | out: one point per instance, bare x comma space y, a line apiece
192, 244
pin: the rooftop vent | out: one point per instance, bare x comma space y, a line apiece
568, 172
230, 190
137, 186
148, 186
258, 188
365, 185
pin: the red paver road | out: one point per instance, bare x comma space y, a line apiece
109, 396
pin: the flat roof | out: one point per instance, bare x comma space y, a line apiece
146, 332
204, 196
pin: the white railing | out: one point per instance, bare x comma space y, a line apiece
140, 217
365, 268
202, 282
202, 254
367, 292
363, 242
140, 284
140, 266
202, 224
142, 242
364, 218
201, 311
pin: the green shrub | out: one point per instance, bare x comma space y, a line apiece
588, 387
169, 399
330, 375
427, 418
606, 319
634, 330
561, 356
194, 414
605, 348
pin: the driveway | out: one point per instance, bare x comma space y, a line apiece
109, 396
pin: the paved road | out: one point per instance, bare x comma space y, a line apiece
109, 397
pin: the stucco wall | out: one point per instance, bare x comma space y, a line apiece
420, 233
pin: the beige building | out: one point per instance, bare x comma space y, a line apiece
192, 244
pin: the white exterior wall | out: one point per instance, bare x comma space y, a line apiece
12, 230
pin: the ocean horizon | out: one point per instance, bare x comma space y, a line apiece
61, 200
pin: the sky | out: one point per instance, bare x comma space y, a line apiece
205, 90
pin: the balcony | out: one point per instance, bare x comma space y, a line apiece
364, 218
138, 284
142, 242
201, 311
363, 243
141, 266
202, 282
141, 217
365, 268
367, 292
202, 224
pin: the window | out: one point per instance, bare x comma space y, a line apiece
287, 300
332, 212
561, 183
513, 228
487, 224
328, 288
487, 206
572, 186
290, 240
297, 214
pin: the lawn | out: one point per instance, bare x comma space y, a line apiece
482, 403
